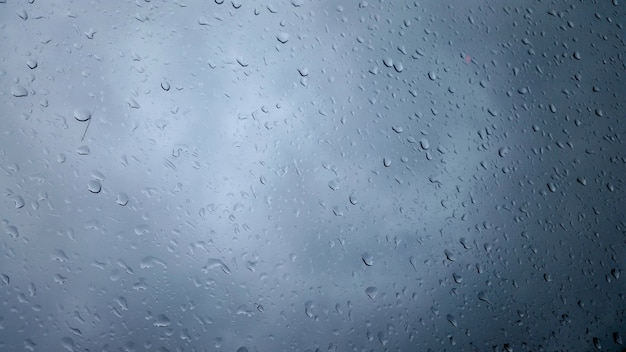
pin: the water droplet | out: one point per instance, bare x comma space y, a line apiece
367, 259
94, 186
161, 321
388, 62
83, 150
165, 86
334, 185
552, 108
12, 231
503, 151
303, 71
242, 62
150, 261
449, 255
424, 143
19, 91
283, 37
432, 75
308, 308
483, 297
142, 229
596, 343
386, 162
4, 278
371, 292
19, 201
68, 344
242, 349
90, 33
617, 338
353, 199
122, 199
457, 278
452, 320
59, 256
32, 64
216, 263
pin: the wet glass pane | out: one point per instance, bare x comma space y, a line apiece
298, 175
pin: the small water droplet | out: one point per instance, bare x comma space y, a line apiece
388, 62
122, 199
483, 297
19, 91
432, 75
452, 320
94, 186
216, 263
162, 321
424, 143
367, 259
32, 64
165, 86
371, 292
283, 37
83, 150
386, 162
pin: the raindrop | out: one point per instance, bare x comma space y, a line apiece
432, 75
303, 71
353, 199
122, 199
424, 143
19, 201
452, 320
308, 308
83, 115
596, 343
503, 151
386, 162
94, 186
388, 62
32, 64
165, 86
242, 62
242, 349
19, 91
367, 259
216, 263
483, 297
449, 255
371, 292
283, 37
83, 150
457, 278
162, 321
12, 231
552, 108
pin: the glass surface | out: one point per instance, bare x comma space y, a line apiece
231, 175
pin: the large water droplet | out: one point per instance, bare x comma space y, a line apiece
19, 91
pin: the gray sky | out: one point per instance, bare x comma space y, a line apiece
471, 152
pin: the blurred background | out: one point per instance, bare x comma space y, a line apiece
296, 175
